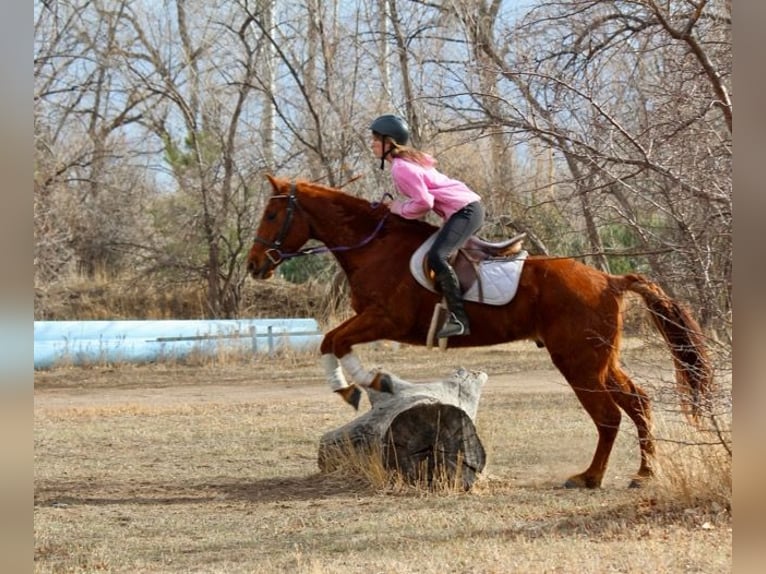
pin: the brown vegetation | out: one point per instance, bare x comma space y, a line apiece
153, 130
102, 298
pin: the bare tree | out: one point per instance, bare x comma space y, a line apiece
631, 141
199, 86
86, 165
602, 128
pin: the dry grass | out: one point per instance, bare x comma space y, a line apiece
106, 297
212, 468
351, 463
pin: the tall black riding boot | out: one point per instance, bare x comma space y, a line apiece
457, 320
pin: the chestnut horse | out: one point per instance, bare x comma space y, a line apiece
568, 307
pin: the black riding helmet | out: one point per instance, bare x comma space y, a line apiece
392, 126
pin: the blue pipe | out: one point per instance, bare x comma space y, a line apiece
89, 342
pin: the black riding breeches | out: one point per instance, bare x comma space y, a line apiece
453, 235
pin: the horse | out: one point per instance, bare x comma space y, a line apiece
570, 308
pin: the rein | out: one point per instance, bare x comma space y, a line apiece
276, 256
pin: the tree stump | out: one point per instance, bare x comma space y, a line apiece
425, 431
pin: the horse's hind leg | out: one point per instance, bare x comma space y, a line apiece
634, 401
606, 416
587, 379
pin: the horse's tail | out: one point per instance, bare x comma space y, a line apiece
694, 373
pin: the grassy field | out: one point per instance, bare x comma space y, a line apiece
211, 467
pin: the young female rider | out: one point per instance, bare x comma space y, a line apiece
426, 189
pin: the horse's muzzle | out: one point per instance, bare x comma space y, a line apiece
264, 271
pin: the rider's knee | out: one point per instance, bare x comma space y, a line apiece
437, 263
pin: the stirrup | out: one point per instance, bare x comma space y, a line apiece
453, 327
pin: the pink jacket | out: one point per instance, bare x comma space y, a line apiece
425, 189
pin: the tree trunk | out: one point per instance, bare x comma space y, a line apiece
424, 431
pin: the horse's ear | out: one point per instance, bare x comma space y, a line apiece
278, 184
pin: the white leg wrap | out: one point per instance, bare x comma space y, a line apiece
333, 372
353, 366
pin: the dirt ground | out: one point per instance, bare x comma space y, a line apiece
517, 367
211, 467
515, 370
244, 391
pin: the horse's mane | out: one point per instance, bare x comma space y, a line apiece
314, 189
366, 207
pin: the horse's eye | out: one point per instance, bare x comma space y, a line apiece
271, 215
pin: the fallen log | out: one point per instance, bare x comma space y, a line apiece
424, 431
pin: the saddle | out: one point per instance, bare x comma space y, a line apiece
488, 272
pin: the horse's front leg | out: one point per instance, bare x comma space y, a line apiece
338, 356
337, 380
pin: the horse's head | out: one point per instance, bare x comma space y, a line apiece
283, 229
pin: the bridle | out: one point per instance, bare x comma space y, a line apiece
273, 246
276, 255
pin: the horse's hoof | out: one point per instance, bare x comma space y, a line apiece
580, 481
637, 483
352, 395
382, 383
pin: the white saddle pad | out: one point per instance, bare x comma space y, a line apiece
499, 277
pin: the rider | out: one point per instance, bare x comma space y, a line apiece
426, 189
